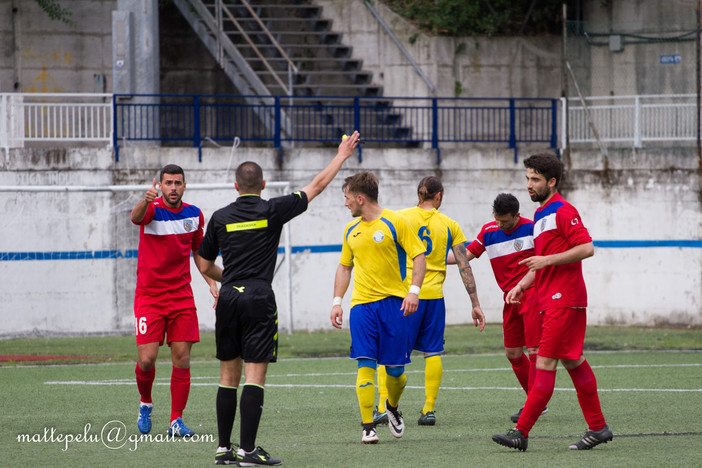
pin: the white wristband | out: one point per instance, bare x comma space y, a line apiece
336, 301
414, 289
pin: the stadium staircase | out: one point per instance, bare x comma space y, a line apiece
287, 48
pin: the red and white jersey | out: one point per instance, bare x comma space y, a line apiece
166, 239
557, 228
505, 250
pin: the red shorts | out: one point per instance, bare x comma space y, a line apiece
155, 317
521, 323
563, 333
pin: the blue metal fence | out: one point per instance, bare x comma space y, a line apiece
276, 120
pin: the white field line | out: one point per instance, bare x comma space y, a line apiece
164, 361
213, 380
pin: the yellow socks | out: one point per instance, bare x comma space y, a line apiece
365, 390
382, 388
433, 372
395, 387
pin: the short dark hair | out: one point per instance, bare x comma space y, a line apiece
365, 183
171, 169
249, 176
546, 164
428, 188
505, 203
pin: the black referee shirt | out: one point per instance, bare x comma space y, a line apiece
248, 233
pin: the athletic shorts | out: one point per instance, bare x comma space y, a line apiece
426, 326
246, 323
379, 332
521, 323
563, 333
156, 317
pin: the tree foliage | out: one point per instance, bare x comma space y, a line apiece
482, 17
55, 11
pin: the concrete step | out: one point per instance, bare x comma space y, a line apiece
339, 77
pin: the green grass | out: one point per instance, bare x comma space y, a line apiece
652, 399
461, 339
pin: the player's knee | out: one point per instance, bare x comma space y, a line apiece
362, 362
146, 363
395, 371
513, 353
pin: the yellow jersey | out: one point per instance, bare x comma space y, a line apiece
379, 252
439, 233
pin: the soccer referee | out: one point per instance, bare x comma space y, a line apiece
247, 232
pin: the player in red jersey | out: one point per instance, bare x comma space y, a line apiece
508, 240
561, 242
163, 303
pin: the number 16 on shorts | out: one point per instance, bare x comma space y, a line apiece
140, 325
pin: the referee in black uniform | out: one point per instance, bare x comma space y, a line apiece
247, 232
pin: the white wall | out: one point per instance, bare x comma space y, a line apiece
645, 196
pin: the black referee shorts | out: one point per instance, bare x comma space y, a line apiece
247, 322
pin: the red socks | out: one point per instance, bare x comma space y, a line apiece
520, 366
180, 388
145, 381
532, 370
537, 399
586, 387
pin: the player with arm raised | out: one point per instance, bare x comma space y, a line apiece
376, 246
440, 235
561, 242
170, 230
247, 232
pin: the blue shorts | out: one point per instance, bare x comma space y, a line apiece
379, 332
426, 326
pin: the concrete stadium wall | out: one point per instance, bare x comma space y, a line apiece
41, 55
642, 209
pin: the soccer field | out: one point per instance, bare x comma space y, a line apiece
652, 401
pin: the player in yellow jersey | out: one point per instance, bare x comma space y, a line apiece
376, 246
440, 235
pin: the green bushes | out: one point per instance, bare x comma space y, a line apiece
482, 17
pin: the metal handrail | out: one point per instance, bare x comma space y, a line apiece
258, 52
399, 45
405, 121
634, 119
291, 65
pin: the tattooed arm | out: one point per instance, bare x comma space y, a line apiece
463, 257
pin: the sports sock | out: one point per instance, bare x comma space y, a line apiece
433, 371
585, 385
382, 388
226, 411
395, 385
251, 407
520, 366
145, 381
532, 370
365, 391
537, 399
180, 388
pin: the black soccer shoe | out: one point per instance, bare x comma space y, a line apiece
512, 439
258, 457
515, 417
593, 439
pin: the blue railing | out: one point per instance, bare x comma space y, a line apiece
276, 120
